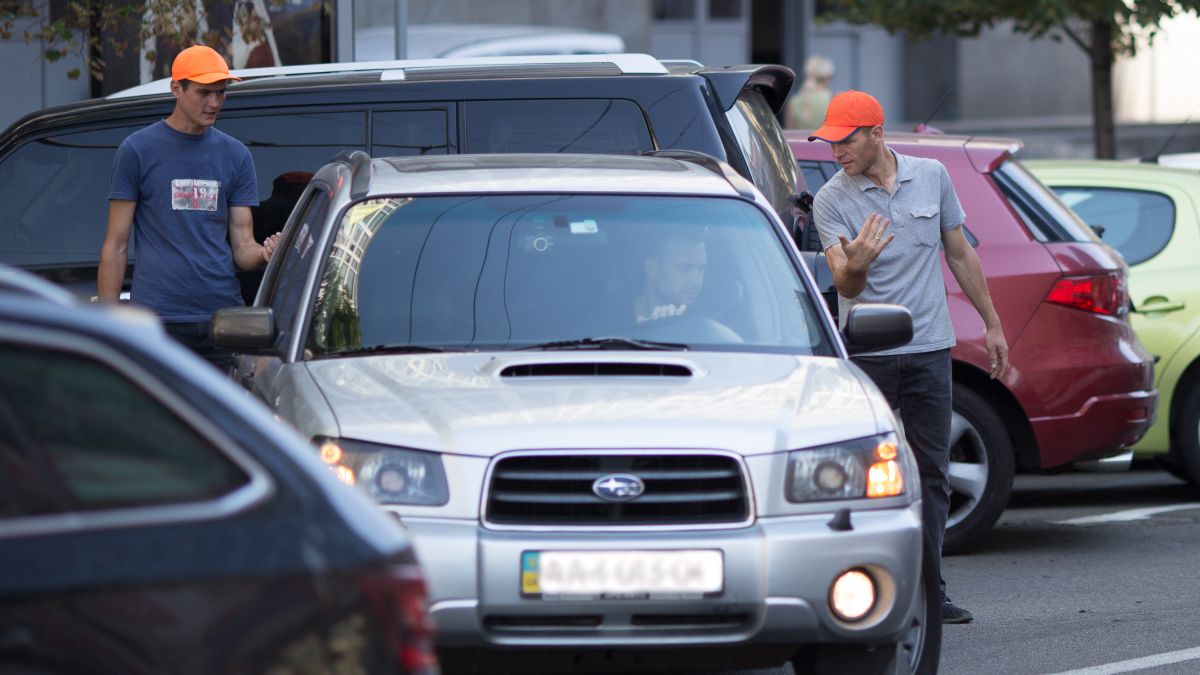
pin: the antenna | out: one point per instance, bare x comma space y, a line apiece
924, 127
1153, 159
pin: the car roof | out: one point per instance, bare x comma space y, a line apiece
555, 173
1109, 166
558, 65
19, 282
985, 151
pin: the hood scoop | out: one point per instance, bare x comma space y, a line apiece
597, 369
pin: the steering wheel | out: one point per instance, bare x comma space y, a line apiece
686, 328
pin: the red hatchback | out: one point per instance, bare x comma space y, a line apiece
1081, 385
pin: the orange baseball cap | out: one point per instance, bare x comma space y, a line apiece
200, 64
848, 111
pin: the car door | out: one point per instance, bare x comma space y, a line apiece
1155, 227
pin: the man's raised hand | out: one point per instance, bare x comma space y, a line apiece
870, 242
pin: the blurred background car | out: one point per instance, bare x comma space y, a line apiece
153, 519
1149, 213
436, 40
590, 484
1081, 386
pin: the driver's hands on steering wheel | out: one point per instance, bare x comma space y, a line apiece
663, 311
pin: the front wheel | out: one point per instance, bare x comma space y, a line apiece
1186, 453
981, 470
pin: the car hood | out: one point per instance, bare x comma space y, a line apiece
482, 404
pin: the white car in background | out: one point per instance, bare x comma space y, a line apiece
429, 41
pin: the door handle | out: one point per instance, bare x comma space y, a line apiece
1156, 307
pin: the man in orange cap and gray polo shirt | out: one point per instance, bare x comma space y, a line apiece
883, 220
183, 189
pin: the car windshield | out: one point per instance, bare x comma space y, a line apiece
561, 272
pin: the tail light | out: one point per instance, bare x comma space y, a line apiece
399, 600
1100, 293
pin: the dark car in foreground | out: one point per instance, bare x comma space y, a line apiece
153, 519
1081, 386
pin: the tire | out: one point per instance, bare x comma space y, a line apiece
1187, 446
918, 652
981, 470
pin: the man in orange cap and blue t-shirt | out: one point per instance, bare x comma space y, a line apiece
883, 220
183, 189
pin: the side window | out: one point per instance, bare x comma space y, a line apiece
298, 249
607, 126
72, 419
765, 150
288, 150
1138, 223
816, 174
403, 133
55, 196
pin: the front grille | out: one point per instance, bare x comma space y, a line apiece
557, 490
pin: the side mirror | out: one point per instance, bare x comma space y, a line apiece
872, 327
246, 330
1099, 230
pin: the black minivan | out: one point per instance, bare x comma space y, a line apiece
55, 164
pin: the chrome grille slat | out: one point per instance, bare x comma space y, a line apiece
547, 489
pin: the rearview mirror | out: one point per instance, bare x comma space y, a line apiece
872, 327
246, 330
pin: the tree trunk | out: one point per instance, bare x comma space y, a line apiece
1103, 130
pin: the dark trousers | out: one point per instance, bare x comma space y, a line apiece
921, 388
197, 337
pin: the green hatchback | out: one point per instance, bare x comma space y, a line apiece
1151, 214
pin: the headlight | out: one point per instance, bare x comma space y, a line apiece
390, 475
864, 467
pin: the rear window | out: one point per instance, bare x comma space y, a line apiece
766, 151
1138, 223
1042, 212
603, 126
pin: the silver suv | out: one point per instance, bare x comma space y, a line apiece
608, 402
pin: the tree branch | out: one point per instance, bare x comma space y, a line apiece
1087, 49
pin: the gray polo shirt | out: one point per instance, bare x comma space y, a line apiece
908, 272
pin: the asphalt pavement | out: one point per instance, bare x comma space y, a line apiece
1084, 574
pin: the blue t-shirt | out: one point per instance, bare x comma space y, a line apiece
184, 185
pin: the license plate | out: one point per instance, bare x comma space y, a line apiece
622, 574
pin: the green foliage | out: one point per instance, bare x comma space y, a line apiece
89, 28
919, 19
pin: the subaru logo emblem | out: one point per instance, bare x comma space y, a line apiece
618, 487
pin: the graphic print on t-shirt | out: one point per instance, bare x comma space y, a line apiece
194, 194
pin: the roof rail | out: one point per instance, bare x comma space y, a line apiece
735, 179
627, 64
359, 164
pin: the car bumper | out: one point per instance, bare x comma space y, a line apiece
1102, 427
777, 576
1089, 397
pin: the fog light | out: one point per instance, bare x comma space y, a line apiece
853, 595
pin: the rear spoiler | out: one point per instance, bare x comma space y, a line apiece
775, 83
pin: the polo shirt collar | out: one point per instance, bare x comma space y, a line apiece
904, 173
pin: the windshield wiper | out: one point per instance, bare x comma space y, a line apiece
607, 343
386, 349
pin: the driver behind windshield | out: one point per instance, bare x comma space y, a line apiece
673, 274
